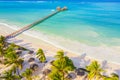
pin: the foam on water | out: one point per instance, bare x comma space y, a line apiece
89, 23
75, 46
85, 27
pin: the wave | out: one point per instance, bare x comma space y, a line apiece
14, 27
111, 54
34, 34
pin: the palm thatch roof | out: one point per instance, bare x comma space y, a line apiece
81, 71
71, 75
46, 71
31, 59
30, 52
34, 66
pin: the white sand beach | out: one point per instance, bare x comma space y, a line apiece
81, 60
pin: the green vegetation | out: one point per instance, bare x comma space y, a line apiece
94, 71
10, 57
113, 77
27, 74
2, 41
61, 66
55, 75
13, 59
7, 75
2, 45
40, 54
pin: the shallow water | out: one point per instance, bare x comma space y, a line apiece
94, 24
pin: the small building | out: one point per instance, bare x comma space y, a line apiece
64, 8
58, 8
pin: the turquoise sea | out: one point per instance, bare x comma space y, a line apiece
93, 24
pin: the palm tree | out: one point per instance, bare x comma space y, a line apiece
13, 59
114, 76
9, 76
18, 65
60, 54
61, 65
14, 46
27, 74
2, 45
55, 75
94, 71
1, 50
11, 54
3, 40
41, 55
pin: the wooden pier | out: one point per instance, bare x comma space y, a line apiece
34, 23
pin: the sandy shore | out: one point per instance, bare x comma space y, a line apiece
50, 50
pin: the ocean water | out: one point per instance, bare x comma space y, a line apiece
93, 24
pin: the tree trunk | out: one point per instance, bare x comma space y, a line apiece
18, 72
63, 75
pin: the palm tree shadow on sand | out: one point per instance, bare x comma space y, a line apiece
104, 65
14, 40
118, 72
80, 61
21, 43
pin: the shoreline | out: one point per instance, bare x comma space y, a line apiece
46, 45
48, 41
80, 60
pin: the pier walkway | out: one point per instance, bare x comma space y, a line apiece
33, 24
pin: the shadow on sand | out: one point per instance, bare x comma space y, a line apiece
80, 61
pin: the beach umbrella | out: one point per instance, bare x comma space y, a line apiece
31, 59
19, 52
34, 66
20, 48
46, 71
81, 71
71, 76
30, 52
